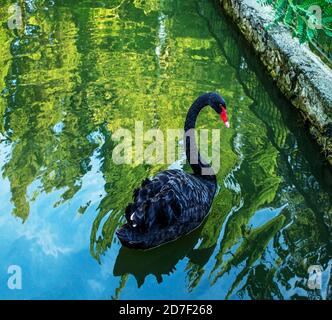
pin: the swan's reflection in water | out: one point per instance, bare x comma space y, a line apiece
161, 260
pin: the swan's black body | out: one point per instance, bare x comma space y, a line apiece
174, 202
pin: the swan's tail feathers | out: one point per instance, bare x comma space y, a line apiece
130, 209
145, 182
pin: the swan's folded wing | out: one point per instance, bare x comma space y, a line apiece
170, 196
154, 202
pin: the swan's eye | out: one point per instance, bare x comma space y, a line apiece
222, 106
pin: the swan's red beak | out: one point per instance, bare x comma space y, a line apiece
223, 117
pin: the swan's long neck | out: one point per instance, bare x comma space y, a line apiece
197, 163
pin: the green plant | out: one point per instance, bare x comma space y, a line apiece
302, 16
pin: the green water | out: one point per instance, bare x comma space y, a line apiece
77, 71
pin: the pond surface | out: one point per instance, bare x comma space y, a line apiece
74, 73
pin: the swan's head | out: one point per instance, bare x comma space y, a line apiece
219, 105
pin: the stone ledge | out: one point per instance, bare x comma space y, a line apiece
301, 76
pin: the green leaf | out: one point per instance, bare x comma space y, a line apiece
280, 7
308, 3
328, 32
289, 16
300, 29
311, 33
327, 20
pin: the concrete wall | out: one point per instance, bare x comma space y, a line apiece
303, 78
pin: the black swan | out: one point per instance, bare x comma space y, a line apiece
174, 202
